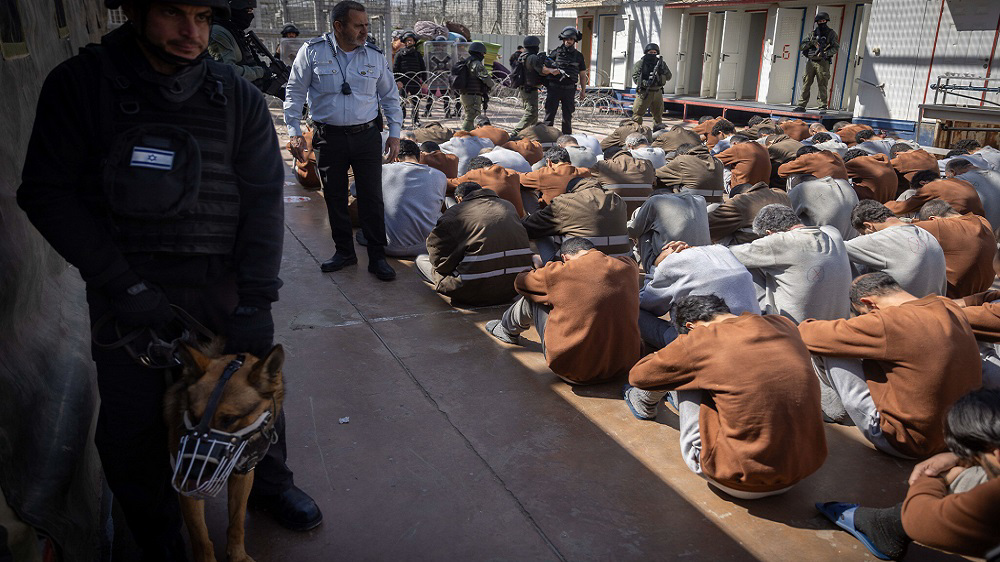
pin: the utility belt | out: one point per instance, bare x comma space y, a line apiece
325, 129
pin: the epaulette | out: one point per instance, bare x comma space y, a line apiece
374, 46
315, 40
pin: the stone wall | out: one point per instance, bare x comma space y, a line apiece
49, 471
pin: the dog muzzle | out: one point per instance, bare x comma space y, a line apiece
206, 457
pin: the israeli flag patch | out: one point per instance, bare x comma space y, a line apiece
154, 158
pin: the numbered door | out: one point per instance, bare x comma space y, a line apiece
713, 52
683, 49
732, 57
621, 70
788, 28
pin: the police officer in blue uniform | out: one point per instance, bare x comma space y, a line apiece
155, 171
345, 79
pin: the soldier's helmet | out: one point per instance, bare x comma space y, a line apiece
477, 47
822, 16
290, 28
531, 41
570, 32
652, 47
220, 8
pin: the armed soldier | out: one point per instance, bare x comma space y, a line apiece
229, 44
819, 49
529, 72
561, 87
409, 69
287, 32
473, 82
649, 74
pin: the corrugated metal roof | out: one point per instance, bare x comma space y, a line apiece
586, 3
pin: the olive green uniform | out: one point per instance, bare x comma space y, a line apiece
472, 96
649, 91
819, 49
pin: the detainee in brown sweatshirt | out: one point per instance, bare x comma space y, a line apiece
734, 218
748, 162
909, 162
505, 183
795, 129
760, 425
447, 163
531, 150
958, 193
822, 164
551, 180
911, 383
873, 176
968, 244
585, 308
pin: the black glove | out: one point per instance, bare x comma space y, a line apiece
249, 330
141, 306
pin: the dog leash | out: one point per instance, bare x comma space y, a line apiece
158, 349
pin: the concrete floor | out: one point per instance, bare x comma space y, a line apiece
462, 448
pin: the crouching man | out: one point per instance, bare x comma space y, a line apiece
476, 249
585, 309
753, 431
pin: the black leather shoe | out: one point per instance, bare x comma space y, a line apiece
293, 508
337, 262
382, 270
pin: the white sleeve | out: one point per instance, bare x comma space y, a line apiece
296, 90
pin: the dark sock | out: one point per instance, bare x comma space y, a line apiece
885, 529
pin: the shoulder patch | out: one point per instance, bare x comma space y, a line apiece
373, 46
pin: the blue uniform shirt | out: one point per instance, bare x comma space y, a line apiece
317, 76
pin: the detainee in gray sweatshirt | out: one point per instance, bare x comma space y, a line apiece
826, 202
800, 271
413, 194
666, 217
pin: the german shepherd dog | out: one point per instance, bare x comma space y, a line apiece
256, 387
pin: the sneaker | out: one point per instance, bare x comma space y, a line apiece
497, 331
640, 411
799, 109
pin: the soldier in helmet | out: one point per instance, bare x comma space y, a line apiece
562, 86
409, 69
290, 31
649, 74
229, 45
155, 171
473, 83
819, 49
533, 72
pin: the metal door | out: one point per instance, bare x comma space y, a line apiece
683, 47
620, 68
732, 56
713, 48
788, 28
856, 52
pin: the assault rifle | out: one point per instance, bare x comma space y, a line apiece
549, 62
274, 84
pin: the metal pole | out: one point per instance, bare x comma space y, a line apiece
387, 27
317, 10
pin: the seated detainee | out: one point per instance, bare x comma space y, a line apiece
550, 180
795, 129
927, 186
968, 245
848, 133
625, 128
908, 160
675, 137
681, 270
476, 249
871, 143
953, 503
541, 133
585, 309
911, 255
826, 141
747, 161
431, 154
986, 183
732, 221
750, 425
510, 159
466, 147
811, 161
825, 202
800, 271
695, 170
704, 130
590, 142
630, 177
432, 131
871, 174
484, 129
638, 145
982, 310
898, 395
667, 217
579, 156
413, 195
722, 131
486, 174
585, 210
781, 149
531, 150
818, 128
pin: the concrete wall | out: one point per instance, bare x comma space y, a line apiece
49, 471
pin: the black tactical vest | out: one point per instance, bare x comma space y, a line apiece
531, 76
167, 181
241, 40
567, 60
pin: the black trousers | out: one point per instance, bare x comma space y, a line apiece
362, 152
554, 96
131, 434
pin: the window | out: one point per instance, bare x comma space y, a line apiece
61, 19
12, 44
